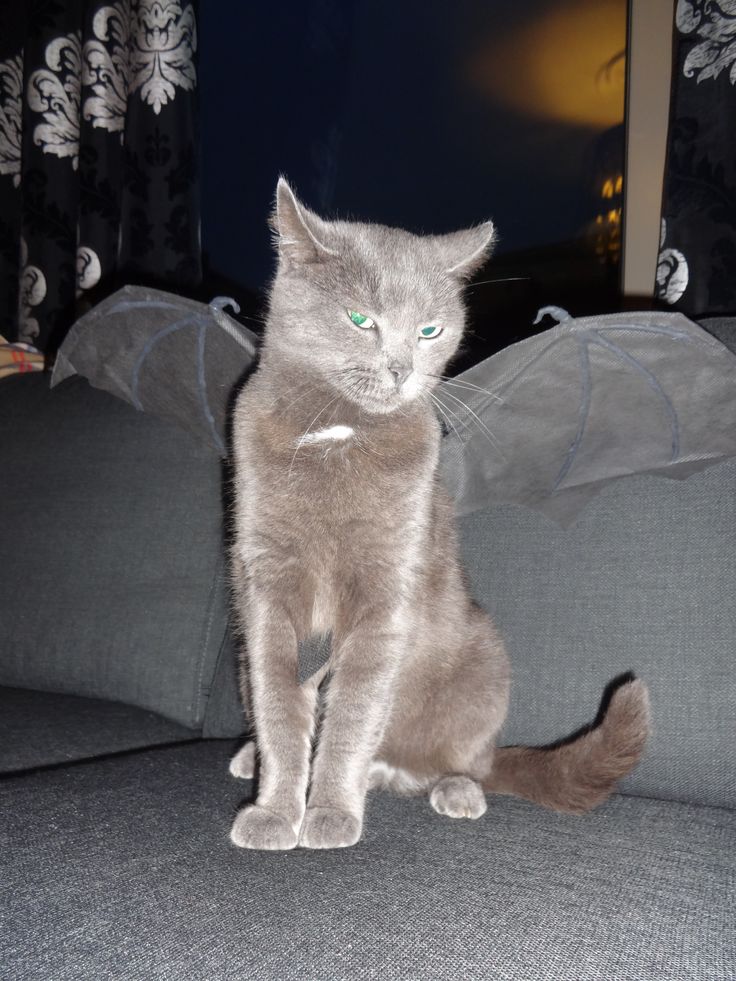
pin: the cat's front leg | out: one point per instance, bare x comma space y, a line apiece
284, 721
243, 764
358, 703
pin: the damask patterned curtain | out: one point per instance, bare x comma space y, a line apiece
99, 157
697, 263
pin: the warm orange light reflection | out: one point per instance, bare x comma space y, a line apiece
566, 66
607, 228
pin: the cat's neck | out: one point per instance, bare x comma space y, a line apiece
310, 408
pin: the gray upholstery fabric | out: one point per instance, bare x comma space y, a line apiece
40, 729
644, 581
123, 870
224, 715
724, 328
111, 562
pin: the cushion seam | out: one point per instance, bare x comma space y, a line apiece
199, 708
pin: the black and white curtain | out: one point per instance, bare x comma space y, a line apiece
696, 271
99, 157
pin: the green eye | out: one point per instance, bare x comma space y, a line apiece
430, 332
360, 320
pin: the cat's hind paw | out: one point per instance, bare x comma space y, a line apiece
243, 764
326, 827
256, 827
458, 797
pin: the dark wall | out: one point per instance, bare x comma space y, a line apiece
379, 110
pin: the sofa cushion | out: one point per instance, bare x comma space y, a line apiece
643, 581
111, 559
724, 328
123, 870
40, 729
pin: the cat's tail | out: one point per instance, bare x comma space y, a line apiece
579, 773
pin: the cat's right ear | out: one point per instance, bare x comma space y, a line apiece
299, 235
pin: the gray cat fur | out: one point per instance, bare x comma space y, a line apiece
341, 525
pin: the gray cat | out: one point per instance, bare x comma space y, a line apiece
341, 525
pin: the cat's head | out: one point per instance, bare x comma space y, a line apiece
375, 312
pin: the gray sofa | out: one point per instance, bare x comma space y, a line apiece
118, 715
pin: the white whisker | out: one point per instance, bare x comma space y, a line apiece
312, 388
503, 279
448, 412
461, 383
443, 412
491, 438
301, 440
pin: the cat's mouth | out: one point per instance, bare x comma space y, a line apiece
383, 399
379, 395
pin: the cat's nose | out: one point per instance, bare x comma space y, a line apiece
400, 372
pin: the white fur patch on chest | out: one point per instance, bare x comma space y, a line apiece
334, 434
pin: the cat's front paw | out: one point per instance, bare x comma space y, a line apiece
326, 827
257, 827
243, 764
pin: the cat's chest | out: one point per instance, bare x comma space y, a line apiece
344, 470
339, 437
334, 458
335, 477
336, 484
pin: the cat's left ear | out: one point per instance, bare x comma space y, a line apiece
465, 251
